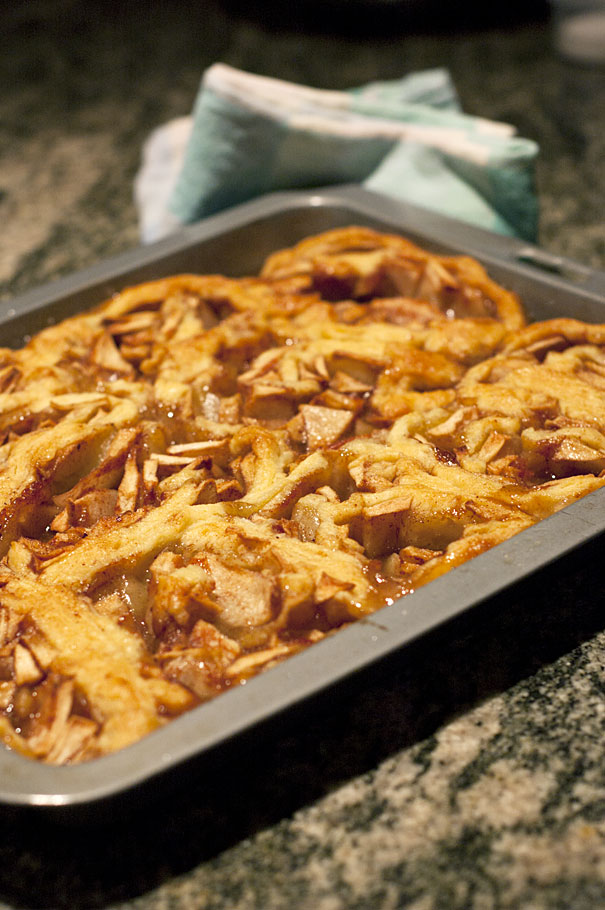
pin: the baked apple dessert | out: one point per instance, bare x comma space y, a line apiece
203, 476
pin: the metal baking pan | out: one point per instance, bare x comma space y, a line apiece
235, 243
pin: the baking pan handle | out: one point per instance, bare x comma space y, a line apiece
487, 246
558, 265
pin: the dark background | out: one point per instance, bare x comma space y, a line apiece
84, 83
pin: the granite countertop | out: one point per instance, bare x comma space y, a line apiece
464, 773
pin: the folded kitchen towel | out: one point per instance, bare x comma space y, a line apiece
406, 138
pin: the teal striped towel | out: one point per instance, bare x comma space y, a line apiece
407, 138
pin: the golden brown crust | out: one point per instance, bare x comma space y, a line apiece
203, 475
360, 262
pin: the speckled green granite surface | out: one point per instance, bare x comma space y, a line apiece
466, 773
